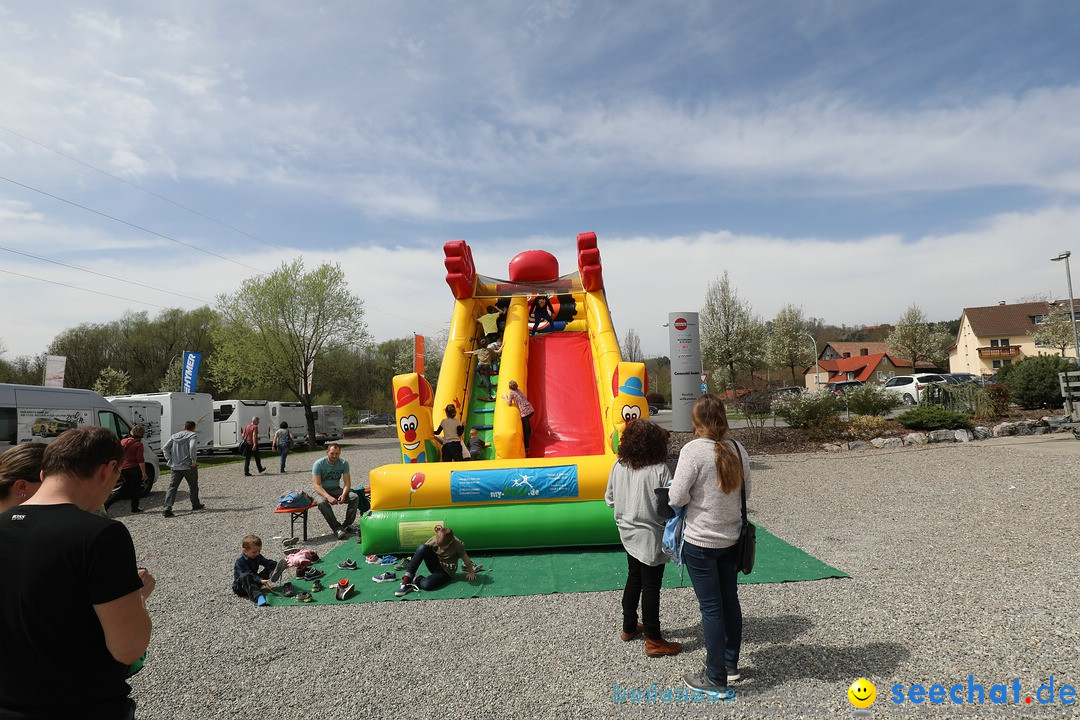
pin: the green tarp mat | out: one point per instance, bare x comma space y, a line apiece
541, 572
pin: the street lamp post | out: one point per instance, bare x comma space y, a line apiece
1072, 305
817, 365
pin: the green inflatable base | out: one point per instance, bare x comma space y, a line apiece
493, 527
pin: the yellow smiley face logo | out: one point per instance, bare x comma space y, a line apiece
862, 693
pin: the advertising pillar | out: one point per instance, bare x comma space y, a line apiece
686, 378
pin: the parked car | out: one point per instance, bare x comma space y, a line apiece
960, 378
380, 419
841, 386
911, 388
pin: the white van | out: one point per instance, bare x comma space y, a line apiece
232, 416
292, 413
141, 412
30, 413
329, 423
176, 409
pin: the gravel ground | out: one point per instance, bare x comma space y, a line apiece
962, 561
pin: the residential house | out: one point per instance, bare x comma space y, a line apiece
992, 337
868, 362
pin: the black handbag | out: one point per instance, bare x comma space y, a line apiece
746, 547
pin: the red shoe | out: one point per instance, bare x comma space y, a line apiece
661, 647
627, 637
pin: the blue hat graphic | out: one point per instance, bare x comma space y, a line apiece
632, 386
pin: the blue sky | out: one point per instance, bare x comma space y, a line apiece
854, 158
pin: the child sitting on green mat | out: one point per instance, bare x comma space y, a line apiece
440, 554
253, 573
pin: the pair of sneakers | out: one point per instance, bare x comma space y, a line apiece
347, 564
313, 574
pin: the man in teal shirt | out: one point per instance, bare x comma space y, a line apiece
333, 486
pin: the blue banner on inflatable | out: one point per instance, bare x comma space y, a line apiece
544, 483
191, 371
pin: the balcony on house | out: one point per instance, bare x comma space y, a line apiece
999, 351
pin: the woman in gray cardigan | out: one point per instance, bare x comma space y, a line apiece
712, 468
642, 467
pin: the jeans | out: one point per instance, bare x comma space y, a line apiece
438, 575
192, 477
642, 584
284, 454
131, 488
352, 503
252, 452
712, 570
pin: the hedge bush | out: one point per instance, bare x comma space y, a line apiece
807, 409
867, 427
870, 399
929, 417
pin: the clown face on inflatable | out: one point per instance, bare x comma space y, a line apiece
629, 386
412, 402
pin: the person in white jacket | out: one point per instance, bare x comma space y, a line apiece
179, 451
711, 471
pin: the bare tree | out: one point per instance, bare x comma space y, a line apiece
631, 347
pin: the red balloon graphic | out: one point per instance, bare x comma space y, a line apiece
417, 481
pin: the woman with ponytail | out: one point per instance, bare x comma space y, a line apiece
711, 471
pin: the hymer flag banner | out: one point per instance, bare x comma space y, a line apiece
191, 371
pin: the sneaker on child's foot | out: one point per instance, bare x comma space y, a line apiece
405, 589
341, 534
347, 564
385, 577
733, 674
261, 600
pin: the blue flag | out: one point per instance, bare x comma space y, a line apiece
191, 371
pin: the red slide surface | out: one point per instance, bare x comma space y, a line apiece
562, 389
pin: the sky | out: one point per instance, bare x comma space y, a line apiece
852, 158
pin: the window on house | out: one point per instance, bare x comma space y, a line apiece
998, 364
1039, 319
1000, 342
881, 377
847, 355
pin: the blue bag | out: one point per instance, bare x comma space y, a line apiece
673, 534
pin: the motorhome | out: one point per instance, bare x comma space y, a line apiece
30, 413
232, 416
292, 413
142, 412
176, 409
329, 423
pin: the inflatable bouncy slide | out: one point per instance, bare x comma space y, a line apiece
565, 358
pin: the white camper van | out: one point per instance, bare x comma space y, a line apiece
329, 423
176, 409
292, 413
232, 416
141, 412
29, 413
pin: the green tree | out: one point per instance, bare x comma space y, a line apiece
789, 344
278, 326
1033, 382
732, 337
88, 347
1056, 330
915, 339
112, 382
